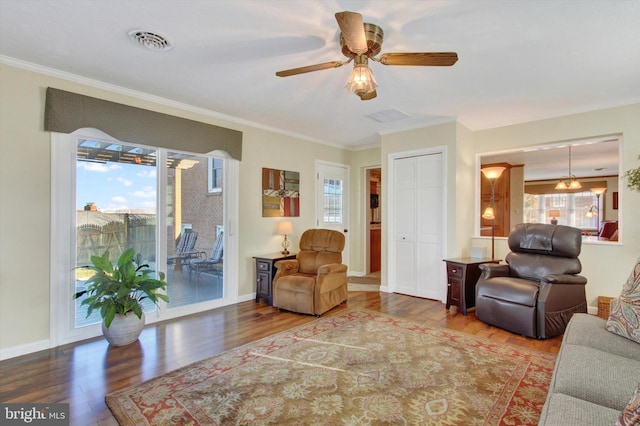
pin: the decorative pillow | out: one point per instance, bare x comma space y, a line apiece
624, 317
630, 416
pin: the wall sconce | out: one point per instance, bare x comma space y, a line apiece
554, 215
492, 173
592, 212
285, 228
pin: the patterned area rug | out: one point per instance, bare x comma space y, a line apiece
356, 367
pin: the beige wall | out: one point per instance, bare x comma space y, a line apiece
606, 266
25, 178
25, 191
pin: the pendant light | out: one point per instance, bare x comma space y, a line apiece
573, 183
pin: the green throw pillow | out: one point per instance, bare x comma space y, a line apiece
624, 317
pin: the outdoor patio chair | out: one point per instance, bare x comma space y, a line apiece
212, 263
185, 250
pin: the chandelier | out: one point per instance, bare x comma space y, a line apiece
571, 182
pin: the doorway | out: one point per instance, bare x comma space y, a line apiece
374, 220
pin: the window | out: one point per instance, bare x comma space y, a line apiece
215, 175
332, 201
579, 209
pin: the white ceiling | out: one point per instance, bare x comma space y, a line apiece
518, 60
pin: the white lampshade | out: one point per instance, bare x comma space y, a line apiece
492, 172
562, 185
284, 228
575, 184
598, 191
488, 214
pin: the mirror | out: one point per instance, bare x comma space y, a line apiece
528, 190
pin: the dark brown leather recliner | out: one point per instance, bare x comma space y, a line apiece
316, 280
538, 290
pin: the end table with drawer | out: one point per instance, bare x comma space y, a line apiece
265, 271
462, 276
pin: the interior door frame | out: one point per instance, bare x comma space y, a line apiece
365, 217
346, 207
389, 220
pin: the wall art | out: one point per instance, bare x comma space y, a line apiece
280, 193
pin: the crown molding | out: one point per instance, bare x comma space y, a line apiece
75, 78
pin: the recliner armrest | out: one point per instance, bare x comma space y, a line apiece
332, 268
491, 270
564, 279
286, 267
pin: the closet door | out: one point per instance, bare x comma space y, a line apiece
418, 225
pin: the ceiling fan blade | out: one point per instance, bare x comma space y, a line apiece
352, 28
310, 68
368, 95
437, 59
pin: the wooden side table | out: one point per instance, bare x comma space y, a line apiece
265, 271
462, 276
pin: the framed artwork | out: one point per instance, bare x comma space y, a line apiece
615, 200
280, 193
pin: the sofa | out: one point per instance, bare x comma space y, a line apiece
596, 378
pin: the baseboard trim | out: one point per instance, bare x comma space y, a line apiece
24, 349
593, 310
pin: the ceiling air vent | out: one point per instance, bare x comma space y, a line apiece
150, 40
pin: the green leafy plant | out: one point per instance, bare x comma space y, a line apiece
633, 178
120, 288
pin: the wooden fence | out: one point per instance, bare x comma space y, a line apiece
124, 231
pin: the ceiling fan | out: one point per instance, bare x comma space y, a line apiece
363, 41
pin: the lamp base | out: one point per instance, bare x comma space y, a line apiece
554, 221
285, 246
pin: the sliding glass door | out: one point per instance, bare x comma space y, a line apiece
168, 206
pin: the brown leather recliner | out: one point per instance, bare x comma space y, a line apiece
316, 280
538, 290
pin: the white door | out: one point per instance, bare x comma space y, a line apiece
332, 191
418, 226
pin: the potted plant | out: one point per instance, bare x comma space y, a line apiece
117, 291
633, 178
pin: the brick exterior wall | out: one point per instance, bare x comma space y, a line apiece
203, 210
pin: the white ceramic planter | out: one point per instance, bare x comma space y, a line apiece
124, 329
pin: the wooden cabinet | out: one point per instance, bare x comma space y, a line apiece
462, 276
265, 271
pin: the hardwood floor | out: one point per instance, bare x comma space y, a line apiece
81, 374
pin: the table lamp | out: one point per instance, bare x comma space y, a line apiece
285, 228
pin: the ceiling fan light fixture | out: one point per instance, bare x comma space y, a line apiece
361, 80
